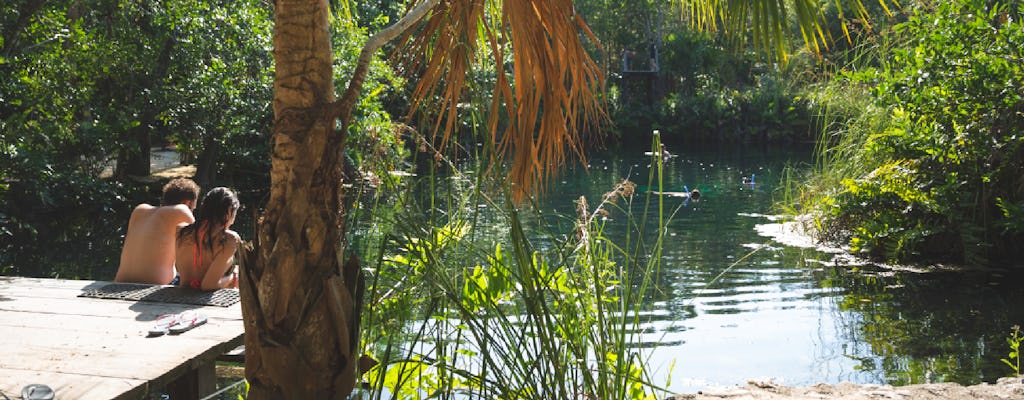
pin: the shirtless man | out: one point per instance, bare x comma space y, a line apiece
148, 253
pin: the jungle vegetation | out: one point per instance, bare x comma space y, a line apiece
921, 160
915, 109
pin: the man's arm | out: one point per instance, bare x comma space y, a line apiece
181, 215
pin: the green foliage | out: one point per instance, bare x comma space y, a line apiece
96, 81
405, 379
768, 110
1013, 358
1013, 215
713, 82
217, 95
375, 143
45, 118
85, 86
485, 286
940, 180
885, 200
703, 91
452, 315
626, 25
48, 223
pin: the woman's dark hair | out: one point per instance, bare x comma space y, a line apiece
214, 211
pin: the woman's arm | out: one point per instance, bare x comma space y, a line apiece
214, 278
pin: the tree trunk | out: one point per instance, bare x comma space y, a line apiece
206, 164
136, 159
301, 309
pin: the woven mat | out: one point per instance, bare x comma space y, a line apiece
163, 294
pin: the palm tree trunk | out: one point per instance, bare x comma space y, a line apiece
301, 310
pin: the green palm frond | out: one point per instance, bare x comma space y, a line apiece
550, 95
769, 20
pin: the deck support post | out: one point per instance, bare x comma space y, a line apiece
195, 384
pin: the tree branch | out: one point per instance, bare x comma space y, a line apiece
342, 108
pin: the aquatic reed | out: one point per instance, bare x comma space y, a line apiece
541, 315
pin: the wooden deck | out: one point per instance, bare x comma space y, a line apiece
86, 348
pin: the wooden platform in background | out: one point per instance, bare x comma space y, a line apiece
87, 348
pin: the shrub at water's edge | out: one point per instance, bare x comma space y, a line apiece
929, 169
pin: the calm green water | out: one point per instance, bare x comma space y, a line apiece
786, 313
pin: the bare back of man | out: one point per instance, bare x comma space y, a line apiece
148, 252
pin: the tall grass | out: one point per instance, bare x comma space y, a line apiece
543, 313
847, 119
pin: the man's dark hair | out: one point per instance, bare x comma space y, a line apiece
178, 191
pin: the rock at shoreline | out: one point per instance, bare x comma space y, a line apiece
1004, 389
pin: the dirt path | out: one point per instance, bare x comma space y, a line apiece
164, 164
1004, 389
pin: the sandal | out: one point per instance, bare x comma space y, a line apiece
162, 324
186, 321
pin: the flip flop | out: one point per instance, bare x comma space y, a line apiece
36, 391
162, 324
186, 321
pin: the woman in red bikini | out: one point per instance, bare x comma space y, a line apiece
205, 250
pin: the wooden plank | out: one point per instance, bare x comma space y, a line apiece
205, 335
110, 307
157, 369
11, 292
72, 386
111, 364
236, 355
32, 285
91, 342
68, 293
47, 282
160, 364
31, 289
105, 328
97, 348
128, 323
99, 317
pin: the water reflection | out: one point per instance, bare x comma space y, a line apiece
735, 306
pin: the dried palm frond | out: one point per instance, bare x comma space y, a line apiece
550, 95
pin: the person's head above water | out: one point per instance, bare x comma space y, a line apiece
695, 195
